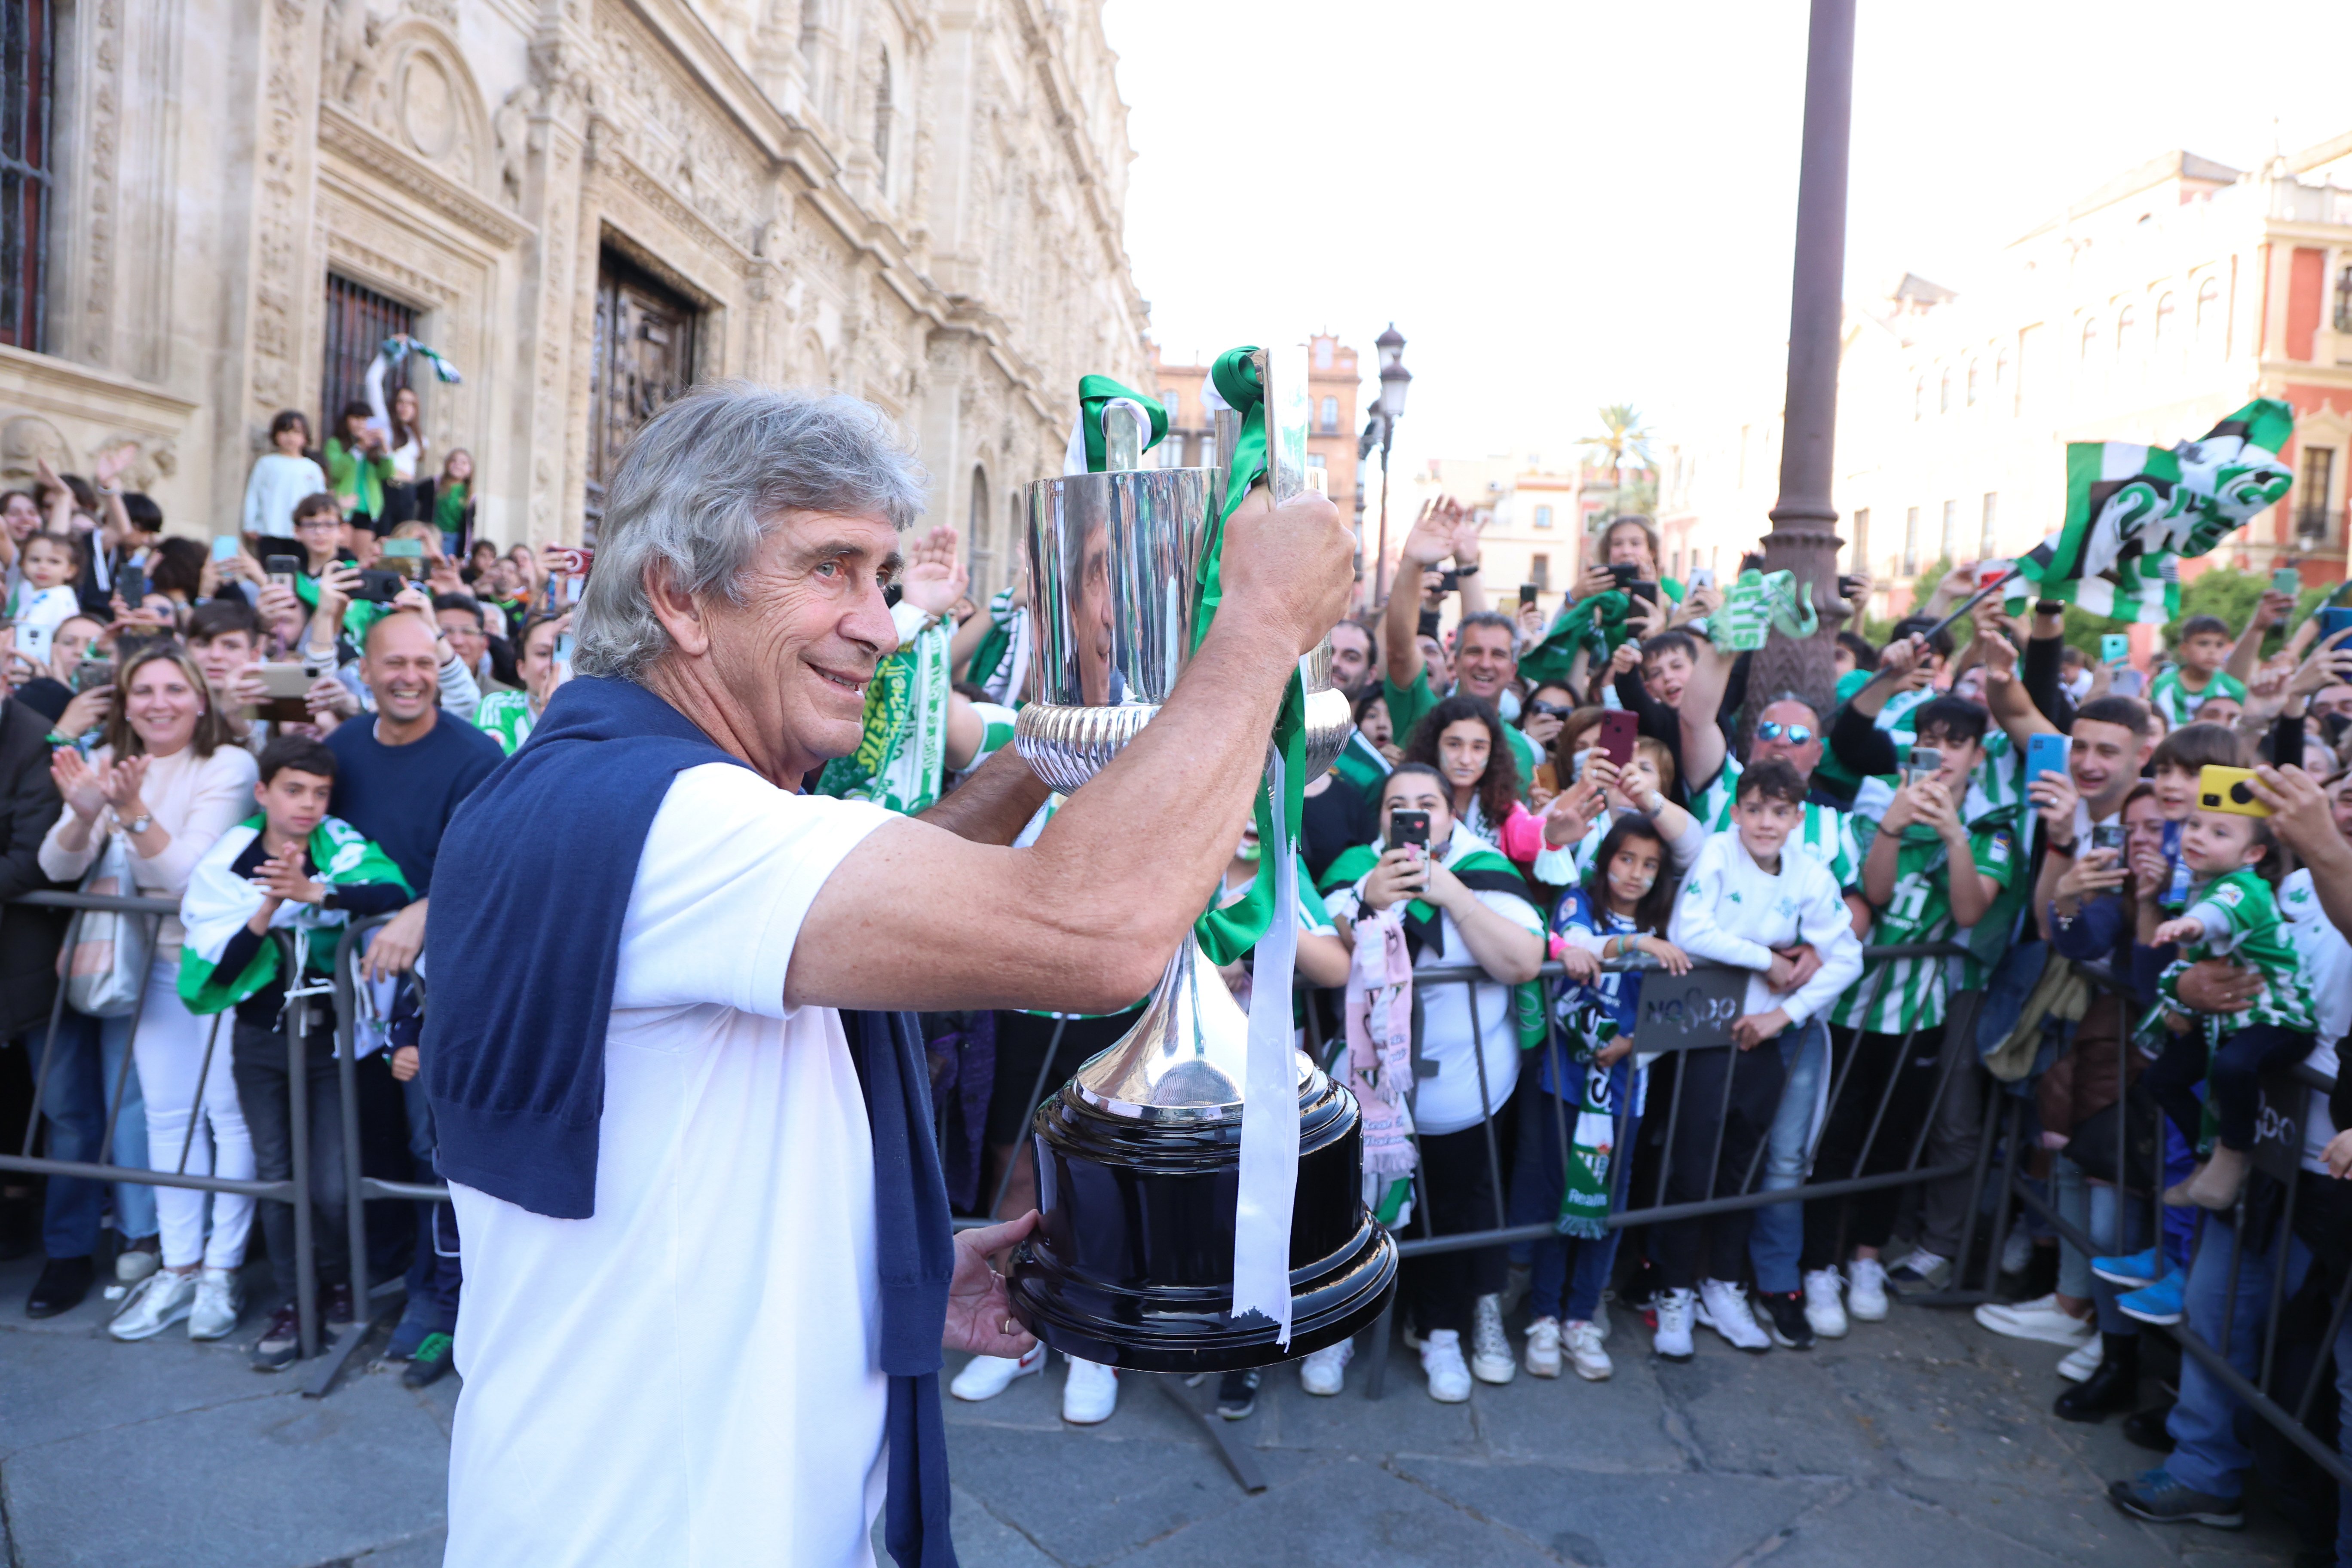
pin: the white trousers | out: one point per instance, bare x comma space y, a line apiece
169, 1049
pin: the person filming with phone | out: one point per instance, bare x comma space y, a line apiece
1458, 901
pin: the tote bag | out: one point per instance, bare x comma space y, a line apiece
106, 966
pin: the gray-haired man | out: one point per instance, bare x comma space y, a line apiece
705, 1245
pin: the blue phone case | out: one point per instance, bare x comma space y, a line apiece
2333, 621
2044, 754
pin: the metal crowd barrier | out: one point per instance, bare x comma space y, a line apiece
2278, 1154
1958, 1050
103, 1170
359, 1189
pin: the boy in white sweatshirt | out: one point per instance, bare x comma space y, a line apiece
1783, 917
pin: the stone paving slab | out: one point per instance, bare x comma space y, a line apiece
1921, 1436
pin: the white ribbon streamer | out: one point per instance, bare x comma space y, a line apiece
1269, 1160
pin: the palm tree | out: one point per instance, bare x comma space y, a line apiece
1623, 437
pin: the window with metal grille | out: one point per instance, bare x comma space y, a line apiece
24, 91
2311, 506
358, 321
1540, 570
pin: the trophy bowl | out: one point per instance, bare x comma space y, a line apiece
1139, 1154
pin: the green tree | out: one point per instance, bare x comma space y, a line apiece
1622, 436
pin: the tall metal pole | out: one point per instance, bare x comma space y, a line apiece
1804, 539
1380, 571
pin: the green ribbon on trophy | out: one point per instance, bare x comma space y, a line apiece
1095, 394
1225, 934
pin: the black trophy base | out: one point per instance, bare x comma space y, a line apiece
1132, 1265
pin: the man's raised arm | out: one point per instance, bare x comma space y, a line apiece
1084, 921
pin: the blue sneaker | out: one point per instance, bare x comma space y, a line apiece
2140, 1268
2159, 1499
2158, 1303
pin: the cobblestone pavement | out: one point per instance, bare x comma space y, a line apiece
1923, 1436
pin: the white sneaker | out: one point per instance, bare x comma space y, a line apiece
1325, 1372
1584, 1352
218, 1302
2040, 1318
2081, 1363
1723, 1306
1673, 1340
1824, 1307
2016, 1250
133, 1264
1543, 1348
1865, 1291
986, 1376
1441, 1362
154, 1304
1600, 1318
1091, 1393
1490, 1348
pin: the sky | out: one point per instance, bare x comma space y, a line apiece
1562, 204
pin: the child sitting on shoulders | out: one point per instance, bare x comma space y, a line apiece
2232, 910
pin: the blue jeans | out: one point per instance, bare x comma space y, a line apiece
2093, 1206
1569, 1271
85, 1063
1777, 1235
2207, 1455
434, 1274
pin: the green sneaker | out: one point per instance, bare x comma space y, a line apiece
431, 1360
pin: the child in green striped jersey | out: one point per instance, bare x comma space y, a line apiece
2232, 910
2181, 692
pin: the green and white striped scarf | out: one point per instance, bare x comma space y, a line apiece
901, 757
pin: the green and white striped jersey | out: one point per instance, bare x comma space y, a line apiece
505, 717
1898, 994
1998, 783
2178, 705
1825, 837
2244, 921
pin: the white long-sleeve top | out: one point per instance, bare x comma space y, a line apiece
195, 799
278, 483
1731, 910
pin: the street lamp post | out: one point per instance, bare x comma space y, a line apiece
1804, 539
1394, 380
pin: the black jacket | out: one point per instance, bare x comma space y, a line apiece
29, 803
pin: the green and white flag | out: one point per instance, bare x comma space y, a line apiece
2132, 512
901, 757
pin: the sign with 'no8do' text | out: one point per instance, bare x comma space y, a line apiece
1686, 1012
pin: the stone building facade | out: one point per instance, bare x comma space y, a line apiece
586, 206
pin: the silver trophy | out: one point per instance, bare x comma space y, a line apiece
1137, 1153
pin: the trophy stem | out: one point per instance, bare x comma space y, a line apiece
1187, 1057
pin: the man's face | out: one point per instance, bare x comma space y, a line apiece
1765, 823
1777, 728
2332, 700
1433, 654
1487, 664
465, 629
795, 656
2220, 709
1665, 673
71, 644
294, 802
221, 658
2105, 761
1351, 657
401, 668
2206, 650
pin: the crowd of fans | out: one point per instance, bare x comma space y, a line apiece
274, 730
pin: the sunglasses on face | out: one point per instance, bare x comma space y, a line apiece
1772, 730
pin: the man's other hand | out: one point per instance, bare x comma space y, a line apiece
979, 1313
1293, 565
397, 945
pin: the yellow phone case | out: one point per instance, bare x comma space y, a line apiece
2224, 789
